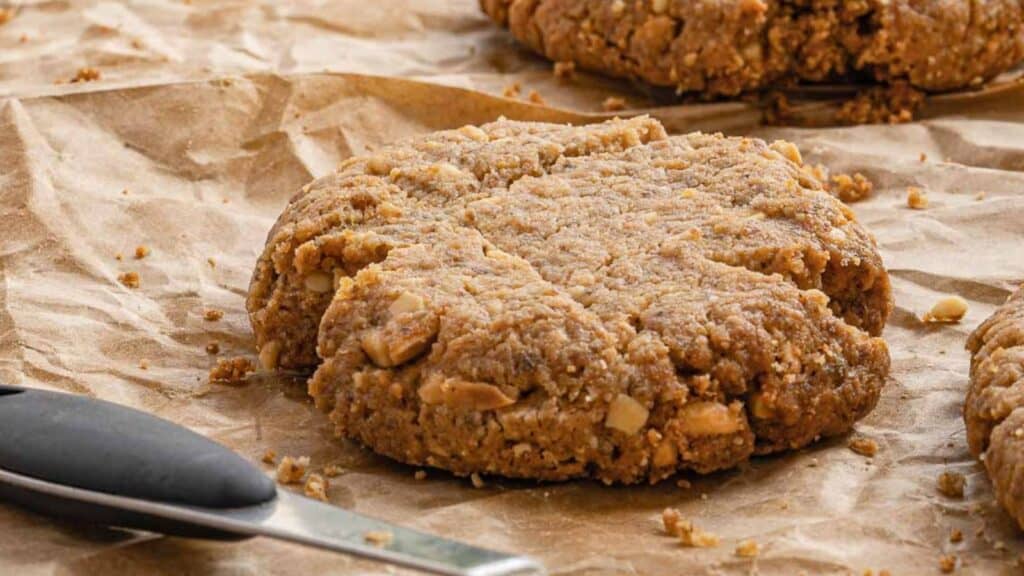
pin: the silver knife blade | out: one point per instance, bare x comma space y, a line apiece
305, 521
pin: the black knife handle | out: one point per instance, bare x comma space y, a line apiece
104, 447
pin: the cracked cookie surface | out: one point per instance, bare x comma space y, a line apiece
994, 409
548, 301
726, 47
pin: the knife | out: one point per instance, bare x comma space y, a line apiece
88, 460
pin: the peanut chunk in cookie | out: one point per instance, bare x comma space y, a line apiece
626, 415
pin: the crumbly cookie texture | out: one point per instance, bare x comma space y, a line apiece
994, 410
548, 301
731, 46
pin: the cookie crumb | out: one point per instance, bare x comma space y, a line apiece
86, 74
948, 310
6, 15
213, 315
477, 481
670, 519
864, 446
851, 188
980, 196
316, 487
129, 279
213, 348
512, 90
144, 364
565, 70
684, 484
211, 262
231, 370
613, 104
748, 549
694, 537
947, 563
956, 536
141, 252
923, 157
332, 470
378, 538
536, 98
916, 198
119, 257
291, 470
269, 457
420, 475
951, 484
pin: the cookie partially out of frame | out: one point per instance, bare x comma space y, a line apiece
548, 301
725, 47
994, 410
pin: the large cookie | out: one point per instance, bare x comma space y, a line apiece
725, 47
994, 410
548, 301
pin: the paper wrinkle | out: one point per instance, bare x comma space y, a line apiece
212, 114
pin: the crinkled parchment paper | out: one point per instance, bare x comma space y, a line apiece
209, 115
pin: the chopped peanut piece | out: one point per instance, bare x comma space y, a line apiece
951, 484
956, 536
291, 470
144, 364
213, 348
536, 98
86, 74
694, 537
320, 282
511, 91
332, 470
916, 198
141, 252
864, 446
269, 457
269, 355
213, 315
670, 517
626, 415
613, 104
948, 310
947, 563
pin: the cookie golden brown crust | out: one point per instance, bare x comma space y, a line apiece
549, 301
731, 46
994, 410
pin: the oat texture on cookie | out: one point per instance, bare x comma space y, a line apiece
994, 409
731, 46
548, 301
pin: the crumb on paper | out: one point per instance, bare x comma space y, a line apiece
477, 481
947, 563
213, 348
851, 188
213, 315
144, 364
694, 537
332, 470
980, 196
950, 309
291, 470
269, 457
613, 104
536, 98
211, 262
231, 370
119, 257
129, 279
86, 74
923, 157
141, 252
670, 518
864, 446
378, 538
6, 15
951, 484
956, 536
748, 549
895, 103
565, 70
512, 90
916, 198
420, 475
316, 487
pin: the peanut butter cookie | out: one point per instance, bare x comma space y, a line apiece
549, 301
727, 47
994, 410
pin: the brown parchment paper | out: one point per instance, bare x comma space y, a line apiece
210, 114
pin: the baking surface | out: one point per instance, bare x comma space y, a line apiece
192, 143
